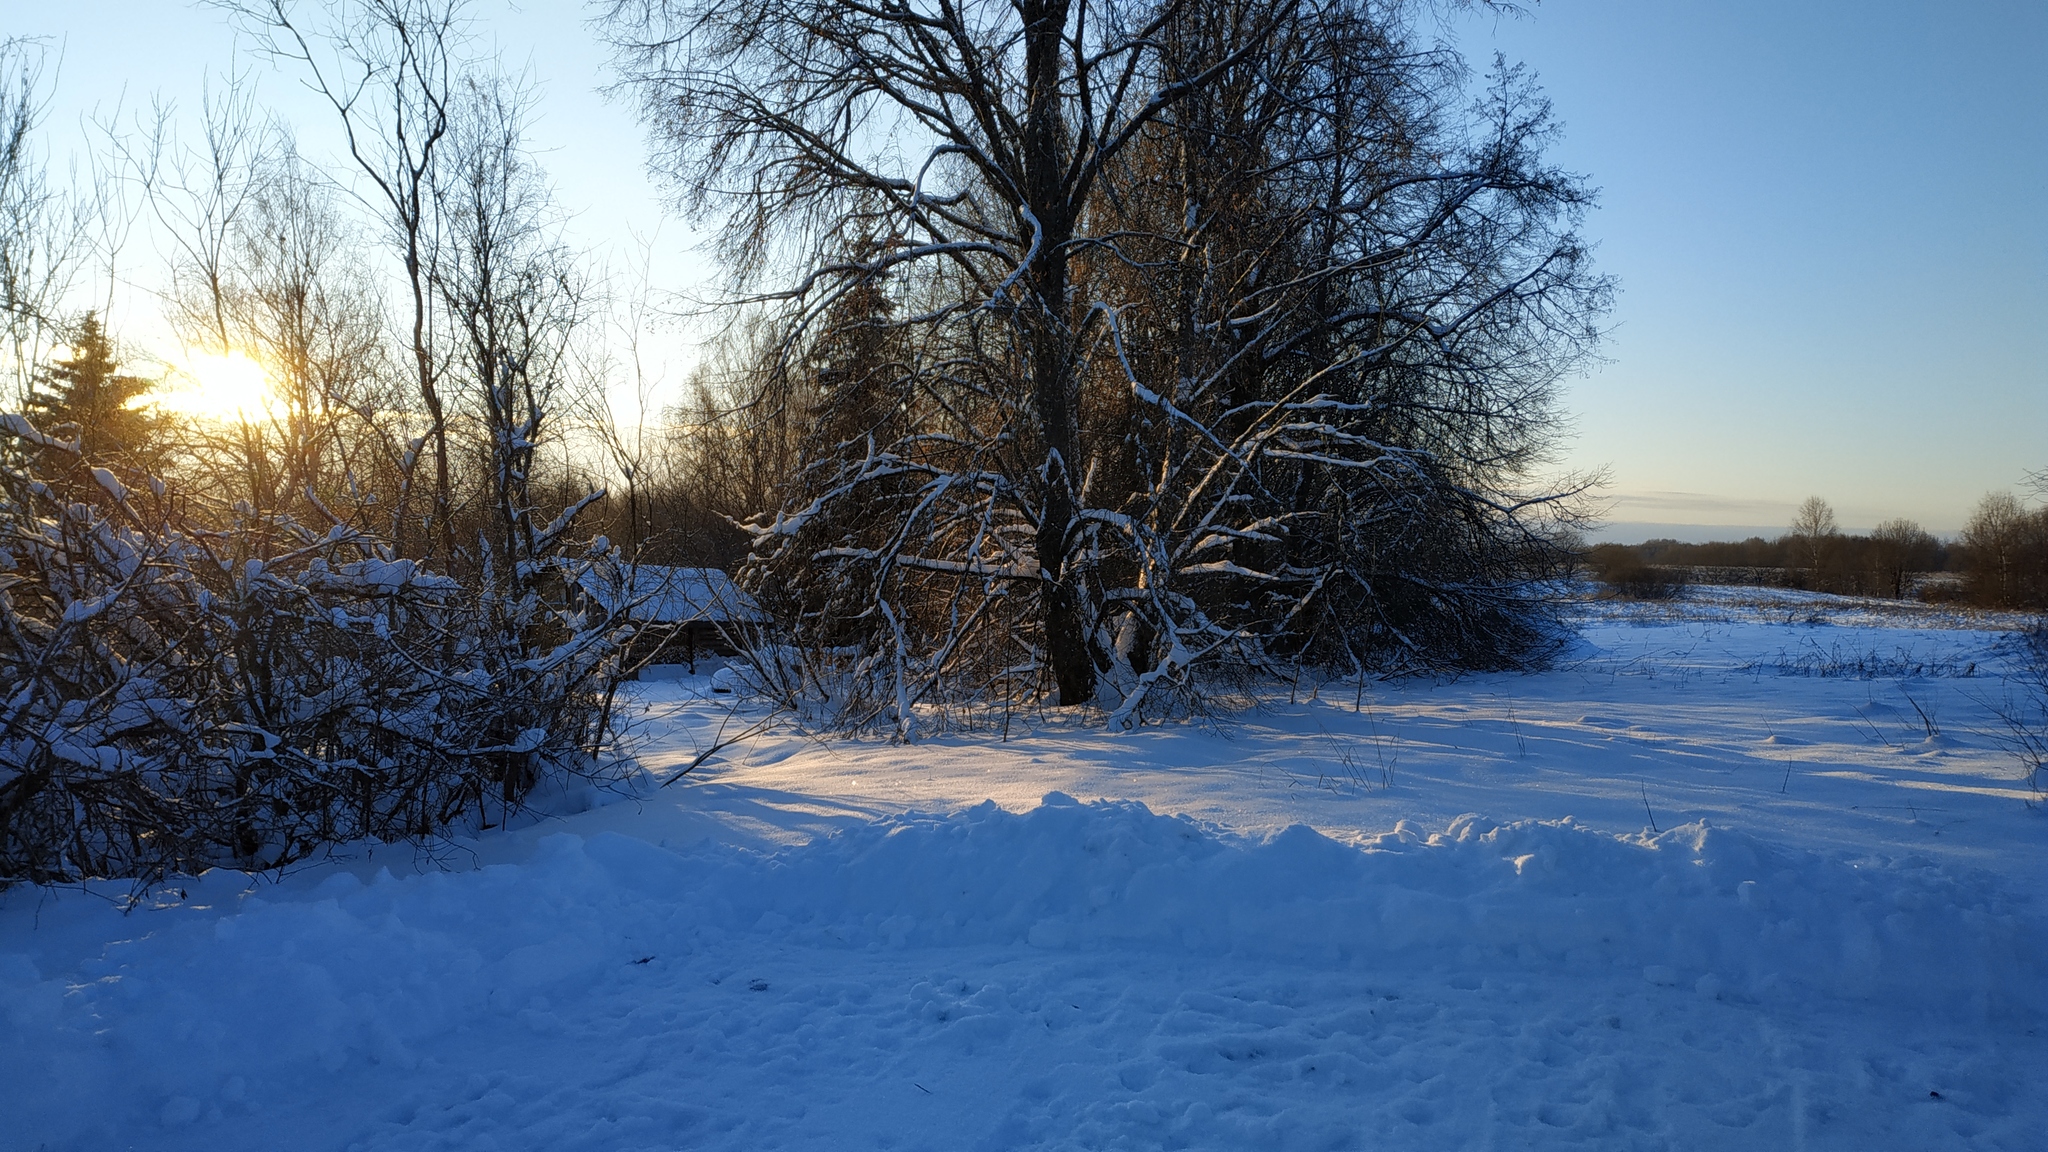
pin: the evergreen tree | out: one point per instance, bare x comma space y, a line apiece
86, 394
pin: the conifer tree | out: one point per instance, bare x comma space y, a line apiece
85, 394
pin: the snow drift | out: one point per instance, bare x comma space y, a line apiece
1695, 903
288, 987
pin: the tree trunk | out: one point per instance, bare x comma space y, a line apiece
1048, 224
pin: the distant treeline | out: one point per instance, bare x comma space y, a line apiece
1758, 552
1999, 561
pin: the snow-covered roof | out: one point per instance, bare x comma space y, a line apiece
659, 594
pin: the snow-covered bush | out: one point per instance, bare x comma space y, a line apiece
179, 695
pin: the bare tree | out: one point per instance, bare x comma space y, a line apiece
630, 438
1813, 529
2006, 552
731, 447
1174, 376
1016, 109
175, 704
198, 194
230, 662
45, 236
264, 263
514, 298
388, 68
1900, 547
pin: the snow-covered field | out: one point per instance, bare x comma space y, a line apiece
1748, 872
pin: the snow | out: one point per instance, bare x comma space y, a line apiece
1432, 917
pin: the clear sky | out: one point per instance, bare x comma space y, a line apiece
1829, 219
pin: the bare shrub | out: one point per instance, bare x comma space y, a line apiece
182, 696
2024, 708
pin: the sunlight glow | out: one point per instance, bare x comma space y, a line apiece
225, 387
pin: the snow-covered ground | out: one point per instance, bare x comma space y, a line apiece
1751, 871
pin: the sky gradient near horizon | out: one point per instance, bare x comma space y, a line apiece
1829, 220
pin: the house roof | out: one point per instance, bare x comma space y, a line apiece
659, 594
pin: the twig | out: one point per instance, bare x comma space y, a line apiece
1926, 718
720, 743
1875, 730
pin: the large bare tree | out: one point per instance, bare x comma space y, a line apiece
1207, 317
1010, 113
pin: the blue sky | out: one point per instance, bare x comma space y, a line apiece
1829, 219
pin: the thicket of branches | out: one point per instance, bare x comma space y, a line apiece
182, 695
346, 612
1111, 340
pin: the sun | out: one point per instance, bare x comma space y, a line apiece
229, 386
